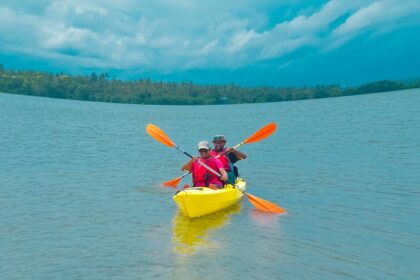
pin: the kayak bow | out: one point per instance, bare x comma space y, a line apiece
200, 201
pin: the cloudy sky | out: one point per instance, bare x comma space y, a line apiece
266, 42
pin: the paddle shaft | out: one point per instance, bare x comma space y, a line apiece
219, 155
185, 174
237, 146
199, 162
203, 164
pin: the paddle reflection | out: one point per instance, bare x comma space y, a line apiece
191, 234
266, 221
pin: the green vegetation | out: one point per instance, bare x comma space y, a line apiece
100, 88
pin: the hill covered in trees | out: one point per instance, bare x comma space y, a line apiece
96, 87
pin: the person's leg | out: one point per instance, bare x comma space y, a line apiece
231, 177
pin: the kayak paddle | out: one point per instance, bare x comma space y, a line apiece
259, 203
173, 183
160, 136
261, 134
264, 205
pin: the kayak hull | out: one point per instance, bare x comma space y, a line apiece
200, 201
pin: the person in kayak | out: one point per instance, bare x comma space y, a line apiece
227, 157
201, 176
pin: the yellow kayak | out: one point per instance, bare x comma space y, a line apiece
200, 201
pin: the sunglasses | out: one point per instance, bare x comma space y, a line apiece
203, 150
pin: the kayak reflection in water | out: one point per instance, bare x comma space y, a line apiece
191, 234
201, 176
227, 156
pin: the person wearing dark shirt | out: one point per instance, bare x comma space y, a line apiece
227, 156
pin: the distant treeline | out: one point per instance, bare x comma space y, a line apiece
96, 87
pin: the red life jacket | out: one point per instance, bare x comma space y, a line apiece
203, 177
224, 159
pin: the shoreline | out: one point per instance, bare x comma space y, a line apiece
99, 88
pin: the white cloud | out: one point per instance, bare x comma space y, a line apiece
176, 35
61, 36
378, 17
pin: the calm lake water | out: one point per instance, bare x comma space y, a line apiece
80, 195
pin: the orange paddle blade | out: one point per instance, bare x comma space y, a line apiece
172, 183
159, 135
264, 205
262, 133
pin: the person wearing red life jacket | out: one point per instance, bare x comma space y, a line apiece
201, 176
227, 156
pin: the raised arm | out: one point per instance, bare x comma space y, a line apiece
237, 153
